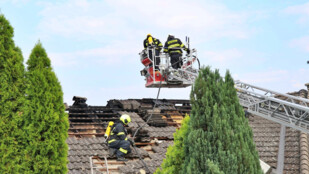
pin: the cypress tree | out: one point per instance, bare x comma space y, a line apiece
12, 98
213, 168
219, 137
175, 154
247, 155
46, 123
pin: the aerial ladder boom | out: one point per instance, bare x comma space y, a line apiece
281, 108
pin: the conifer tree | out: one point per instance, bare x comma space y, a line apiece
12, 97
247, 153
213, 168
46, 123
172, 164
219, 137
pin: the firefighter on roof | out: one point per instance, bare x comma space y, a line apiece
118, 138
173, 46
151, 41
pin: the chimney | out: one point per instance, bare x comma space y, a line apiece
303, 93
307, 84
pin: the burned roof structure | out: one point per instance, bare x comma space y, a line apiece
86, 140
88, 151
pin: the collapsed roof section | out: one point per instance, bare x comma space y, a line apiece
88, 124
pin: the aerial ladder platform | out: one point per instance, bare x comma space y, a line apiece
281, 108
164, 76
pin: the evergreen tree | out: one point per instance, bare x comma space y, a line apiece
213, 168
12, 98
219, 137
175, 154
46, 121
246, 150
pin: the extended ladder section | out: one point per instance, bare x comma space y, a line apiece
281, 108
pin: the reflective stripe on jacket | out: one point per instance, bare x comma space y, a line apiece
118, 132
174, 46
156, 42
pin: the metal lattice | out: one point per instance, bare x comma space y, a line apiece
285, 109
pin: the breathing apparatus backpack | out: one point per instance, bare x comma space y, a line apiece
108, 129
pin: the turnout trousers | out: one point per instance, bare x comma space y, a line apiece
176, 60
122, 146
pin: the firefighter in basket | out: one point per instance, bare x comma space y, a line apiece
153, 42
173, 46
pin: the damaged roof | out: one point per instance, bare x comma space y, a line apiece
88, 123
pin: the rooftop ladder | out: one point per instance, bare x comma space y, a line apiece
94, 168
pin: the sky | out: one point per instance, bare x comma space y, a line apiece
94, 44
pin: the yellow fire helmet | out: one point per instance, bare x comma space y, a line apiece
148, 34
125, 118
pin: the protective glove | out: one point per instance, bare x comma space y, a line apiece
188, 51
131, 141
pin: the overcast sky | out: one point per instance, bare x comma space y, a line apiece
94, 44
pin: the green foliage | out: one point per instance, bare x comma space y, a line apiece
213, 168
175, 154
11, 101
219, 138
46, 122
33, 124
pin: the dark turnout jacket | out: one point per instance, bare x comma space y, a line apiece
174, 45
118, 132
156, 42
